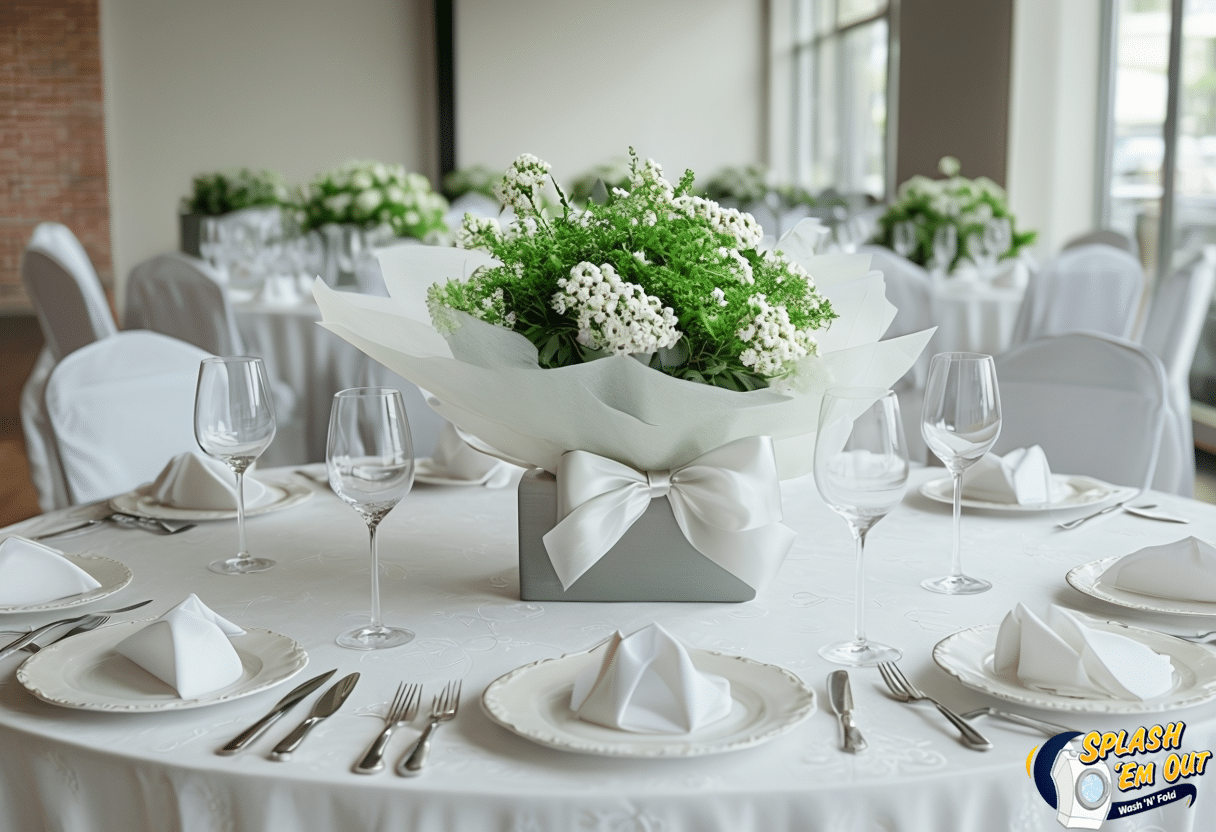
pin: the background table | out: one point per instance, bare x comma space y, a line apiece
974, 315
450, 575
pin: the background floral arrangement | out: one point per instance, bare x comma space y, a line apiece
968, 204
654, 270
372, 194
477, 179
223, 192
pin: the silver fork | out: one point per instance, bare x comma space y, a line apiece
91, 623
905, 691
401, 710
443, 709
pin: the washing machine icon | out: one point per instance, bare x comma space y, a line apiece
1083, 792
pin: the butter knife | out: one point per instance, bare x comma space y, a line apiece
840, 694
329, 702
285, 704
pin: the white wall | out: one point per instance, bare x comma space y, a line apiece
577, 82
296, 86
1053, 119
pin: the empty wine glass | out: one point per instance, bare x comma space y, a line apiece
960, 423
234, 421
370, 458
903, 238
861, 471
998, 237
945, 247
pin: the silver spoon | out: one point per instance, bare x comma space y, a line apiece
1072, 524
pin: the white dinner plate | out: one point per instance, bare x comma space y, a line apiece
286, 492
111, 574
1077, 492
85, 672
967, 655
1084, 578
534, 702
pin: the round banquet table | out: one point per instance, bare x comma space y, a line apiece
449, 573
974, 315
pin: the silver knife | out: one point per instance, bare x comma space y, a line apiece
329, 702
841, 697
29, 637
285, 704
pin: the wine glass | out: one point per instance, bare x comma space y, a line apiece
998, 237
903, 237
861, 471
370, 458
960, 423
234, 422
945, 247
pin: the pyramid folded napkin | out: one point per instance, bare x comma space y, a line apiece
647, 683
194, 481
1184, 569
187, 648
31, 573
456, 460
1021, 477
1064, 656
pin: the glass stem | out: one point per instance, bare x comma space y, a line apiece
859, 612
375, 622
956, 555
241, 554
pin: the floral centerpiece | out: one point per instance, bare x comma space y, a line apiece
529, 338
373, 194
214, 194
967, 204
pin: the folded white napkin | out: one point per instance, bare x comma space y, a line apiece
281, 290
648, 684
194, 481
1184, 569
31, 573
1021, 476
187, 648
455, 459
1066, 657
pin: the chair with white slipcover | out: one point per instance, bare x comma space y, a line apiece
121, 408
1090, 288
1175, 323
1104, 236
72, 311
1095, 403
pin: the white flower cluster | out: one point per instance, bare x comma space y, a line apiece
373, 193
772, 341
649, 177
612, 314
746, 232
522, 184
474, 228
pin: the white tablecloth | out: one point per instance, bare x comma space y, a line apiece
974, 315
450, 575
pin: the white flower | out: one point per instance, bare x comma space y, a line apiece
613, 314
361, 180
368, 200
338, 203
773, 343
949, 166
719, 297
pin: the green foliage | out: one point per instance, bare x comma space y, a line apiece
371, 195
223, 192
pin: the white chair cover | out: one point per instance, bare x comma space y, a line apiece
72, 312
1172, 332
121, 408
1095, 403
1106, 237
1090, 288
910, 289
425, 424
182, 296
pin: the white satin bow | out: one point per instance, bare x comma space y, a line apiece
727, 503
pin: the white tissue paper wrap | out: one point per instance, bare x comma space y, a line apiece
1020, 477
1064, 656
1184, 569
486, 379
187, 648
31, 573
647, 683
194, 481
457, 461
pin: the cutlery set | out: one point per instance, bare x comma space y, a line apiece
148, 524
401, 711
26, 640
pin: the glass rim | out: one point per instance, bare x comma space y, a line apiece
963, 356
845, 392
366, 392
232, 359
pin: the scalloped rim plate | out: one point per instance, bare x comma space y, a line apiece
291, 491
84, 672
1081, 491
1084, 579
111, 574
533, 701
967, 655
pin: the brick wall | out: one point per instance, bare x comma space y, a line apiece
52, 135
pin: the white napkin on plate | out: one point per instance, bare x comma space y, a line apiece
1184, 569
31, 573
1064, 656
187, 648
194, 481
1021, 476
647, 683
456, 460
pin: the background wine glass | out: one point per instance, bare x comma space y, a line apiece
903, 238
960, 423
945, 247
861, 471
234, 421
370, 458
998, 237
